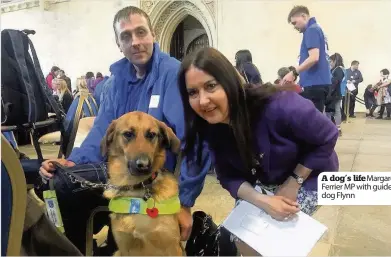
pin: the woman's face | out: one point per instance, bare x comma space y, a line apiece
332, 63
55, 85
206, 97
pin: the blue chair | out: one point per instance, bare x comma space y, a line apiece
13, 200
9, 135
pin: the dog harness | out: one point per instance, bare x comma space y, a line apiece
150, 207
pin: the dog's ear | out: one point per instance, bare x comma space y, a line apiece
169, 139
107, 139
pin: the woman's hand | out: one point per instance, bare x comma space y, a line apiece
279, 207
289, 189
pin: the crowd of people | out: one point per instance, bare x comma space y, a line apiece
252, 133
61, 86
323, 78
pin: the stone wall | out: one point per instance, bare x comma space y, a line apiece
77, 35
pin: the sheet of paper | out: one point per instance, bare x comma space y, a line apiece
267, 236
350, 86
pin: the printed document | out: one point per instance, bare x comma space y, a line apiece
269, 237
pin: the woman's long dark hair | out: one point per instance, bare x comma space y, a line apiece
337, 58
243, 56
243, 102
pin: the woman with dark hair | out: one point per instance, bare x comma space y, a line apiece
337, 90
246, 68
257, 135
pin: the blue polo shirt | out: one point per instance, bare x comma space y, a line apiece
318, 74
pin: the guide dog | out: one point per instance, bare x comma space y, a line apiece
143, 197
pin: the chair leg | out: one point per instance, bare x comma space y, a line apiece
90, 230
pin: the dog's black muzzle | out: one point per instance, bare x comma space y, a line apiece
139, 166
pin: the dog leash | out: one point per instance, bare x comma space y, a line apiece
76, 179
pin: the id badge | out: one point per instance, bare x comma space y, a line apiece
53, 209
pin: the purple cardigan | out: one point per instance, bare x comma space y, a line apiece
290, 131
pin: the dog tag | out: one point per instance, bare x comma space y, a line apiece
135, 206
153, 212
53, 210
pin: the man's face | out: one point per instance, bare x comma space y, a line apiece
355, 66
299, 22
383, 76
135, 39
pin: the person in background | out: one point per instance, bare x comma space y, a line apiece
61, 75
334, 97
90, 79
63, 93
246, 68
257, 135
89, 75
98, 79
370, 101
54, 88
383, 88
101, 87
353, 75
314, 67
291, 86
81, 85
52, 75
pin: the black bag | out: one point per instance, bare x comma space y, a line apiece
26, 97
207, 239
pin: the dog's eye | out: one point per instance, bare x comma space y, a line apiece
151, 135
129, 134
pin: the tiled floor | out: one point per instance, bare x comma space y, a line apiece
352, 230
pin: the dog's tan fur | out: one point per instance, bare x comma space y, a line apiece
137, 234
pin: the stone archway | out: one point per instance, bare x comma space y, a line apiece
166, 15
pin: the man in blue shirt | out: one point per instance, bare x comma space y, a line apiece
314, 67
145, 80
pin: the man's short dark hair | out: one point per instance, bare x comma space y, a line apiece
298, 9
124, 14
54, 69
355, 63
385, 72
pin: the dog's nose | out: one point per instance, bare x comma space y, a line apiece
141, 164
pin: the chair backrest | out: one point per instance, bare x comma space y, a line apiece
9, 135
13, 200
83, 105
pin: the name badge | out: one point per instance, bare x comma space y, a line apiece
135, 206
154, 102
53, 209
